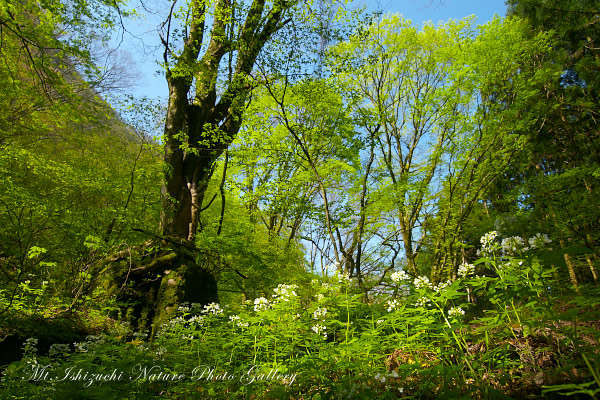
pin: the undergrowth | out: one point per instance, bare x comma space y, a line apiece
501, 329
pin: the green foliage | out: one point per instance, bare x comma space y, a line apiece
417, 143
74, 179
498, 331
247, 258
551, 185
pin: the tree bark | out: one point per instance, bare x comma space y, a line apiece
197, 131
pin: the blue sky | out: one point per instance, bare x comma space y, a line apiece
418, 11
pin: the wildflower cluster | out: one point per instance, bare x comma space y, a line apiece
514, 245
235, 319
342, 277
392, 305
488, 243
511, 246
539, 241
441, 286
422, 282
400, 276
320, 330
456, 312
176, 321
320, 313
197, 319
212, 309
423, 302
161, 351
183, 309
260, 304
187, 307
466, 269
285, 292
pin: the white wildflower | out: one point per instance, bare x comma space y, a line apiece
177, 321
260, 304
81, 347
212, 308
392, 304
539, 241
284, 292
238, 321
514, 245
196, 319
422, 282
400, 276
320, 329
488, 243
456, 312
488, 238
466, 269
320, 313
441, 286
422, 302
343, 277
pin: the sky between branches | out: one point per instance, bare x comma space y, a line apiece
143, 49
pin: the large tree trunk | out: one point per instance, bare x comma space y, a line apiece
197, 132
151, 284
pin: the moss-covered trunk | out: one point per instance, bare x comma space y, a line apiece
150, 287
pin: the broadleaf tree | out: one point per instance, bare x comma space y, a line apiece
211, 52
443, 121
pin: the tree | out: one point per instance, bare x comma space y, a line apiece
443, 120
197, 132
553, 184
209, 58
